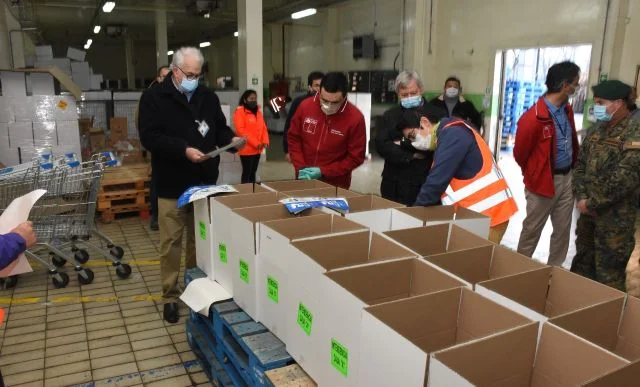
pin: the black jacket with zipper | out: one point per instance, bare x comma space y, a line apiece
463, 109
168, 126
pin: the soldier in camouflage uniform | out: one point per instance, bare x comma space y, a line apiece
606, 183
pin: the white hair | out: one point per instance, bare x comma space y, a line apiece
183, 52
405, 78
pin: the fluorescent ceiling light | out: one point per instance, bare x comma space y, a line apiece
108, 6
235, 34
96, 29
170, 52
89, 41
304, 13
205, 44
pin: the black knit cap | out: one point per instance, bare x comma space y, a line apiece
611, 90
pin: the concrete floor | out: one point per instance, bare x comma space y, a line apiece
111, 332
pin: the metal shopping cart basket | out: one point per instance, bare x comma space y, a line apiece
64, 218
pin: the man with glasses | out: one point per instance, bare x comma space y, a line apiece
546, 149
180, 122
327, 136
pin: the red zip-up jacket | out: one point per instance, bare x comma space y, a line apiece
535, 147
336, 144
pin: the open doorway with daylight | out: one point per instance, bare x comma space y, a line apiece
520, 76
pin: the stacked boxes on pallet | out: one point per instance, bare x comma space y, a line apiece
386, 295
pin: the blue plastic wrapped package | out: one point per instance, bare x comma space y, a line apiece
202, 191
297, 205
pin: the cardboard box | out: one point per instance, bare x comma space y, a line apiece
614, 328
274, 288
45, 133
398, 337
550, 292
324, 192
20, 134
68, 133
13, 84
42, 84
6, 111
119, 129
76, 54
44, 52
372, 211
511, 359
483, 263
310, 259
410, 217
351, 290
80, 68
243, 254
438, 239
204, 234
96, 81
97, 140
294, 185
221, 209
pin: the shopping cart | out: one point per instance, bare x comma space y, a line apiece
64, 218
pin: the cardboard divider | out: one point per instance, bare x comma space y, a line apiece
352, 289
372, 211
609, 326
550, 292
203, 227
243, 253
483, 263
398, 337
294, 185
411, 217
323, 192
517, 358
310, 259
438, 239
275, 251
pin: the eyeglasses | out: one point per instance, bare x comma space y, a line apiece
191, 77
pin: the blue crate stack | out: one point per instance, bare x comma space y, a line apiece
518, 97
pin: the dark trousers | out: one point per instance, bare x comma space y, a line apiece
153, 197
399, 191
249, 168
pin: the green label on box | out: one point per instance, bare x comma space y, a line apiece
203, 231
222, 248
305, 319
339, 357
244, 271
272, 289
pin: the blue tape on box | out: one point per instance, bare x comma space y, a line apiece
297, 205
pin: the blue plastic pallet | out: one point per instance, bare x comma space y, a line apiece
201, 346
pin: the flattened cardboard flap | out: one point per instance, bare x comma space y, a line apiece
472, 265
248, 200
423, 240
295, 185
370, 203
383, 249
507, 262
461, 239
297, 228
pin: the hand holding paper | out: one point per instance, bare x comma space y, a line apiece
25, 230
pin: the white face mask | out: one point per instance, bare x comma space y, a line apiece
329, 109
452, 92
422, 143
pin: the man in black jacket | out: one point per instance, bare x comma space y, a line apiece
452, 102
180, 122
313, 81
405, 168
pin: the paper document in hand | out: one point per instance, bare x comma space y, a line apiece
201, 293
225, 148
17, 213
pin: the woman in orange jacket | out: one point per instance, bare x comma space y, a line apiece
249, 123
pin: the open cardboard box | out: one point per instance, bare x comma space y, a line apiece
371, 211
397, 338
351, 290
221, 208
308, 300
275, 251
516, 358
410, 217
295, 185
202, 216
614, 329
483, 263
243, 253
550, 292
438, 239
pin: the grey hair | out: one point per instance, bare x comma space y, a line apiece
404, 79
182, 52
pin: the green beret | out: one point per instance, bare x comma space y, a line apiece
611, 90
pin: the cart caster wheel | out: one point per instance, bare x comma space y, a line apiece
117, 252
60, 280
85, 276
58, 261
9, 282
81, 256
123, 271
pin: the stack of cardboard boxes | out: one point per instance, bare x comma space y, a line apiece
388, 295
73, 64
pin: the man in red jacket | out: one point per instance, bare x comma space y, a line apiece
546, 149
327, 136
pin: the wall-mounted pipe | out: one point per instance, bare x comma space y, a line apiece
604, 37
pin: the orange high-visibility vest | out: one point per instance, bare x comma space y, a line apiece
487, 192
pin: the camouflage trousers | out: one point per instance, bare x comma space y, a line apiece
604, 246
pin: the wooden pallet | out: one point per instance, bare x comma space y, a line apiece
124, 189
290, 376
126, 177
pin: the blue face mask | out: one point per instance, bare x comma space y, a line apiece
188, 85
600, 111
411, 102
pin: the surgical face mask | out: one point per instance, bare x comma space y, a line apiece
329, 108
452, 92
251, 105
425, 142
600, 111
411, 102
188, 85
